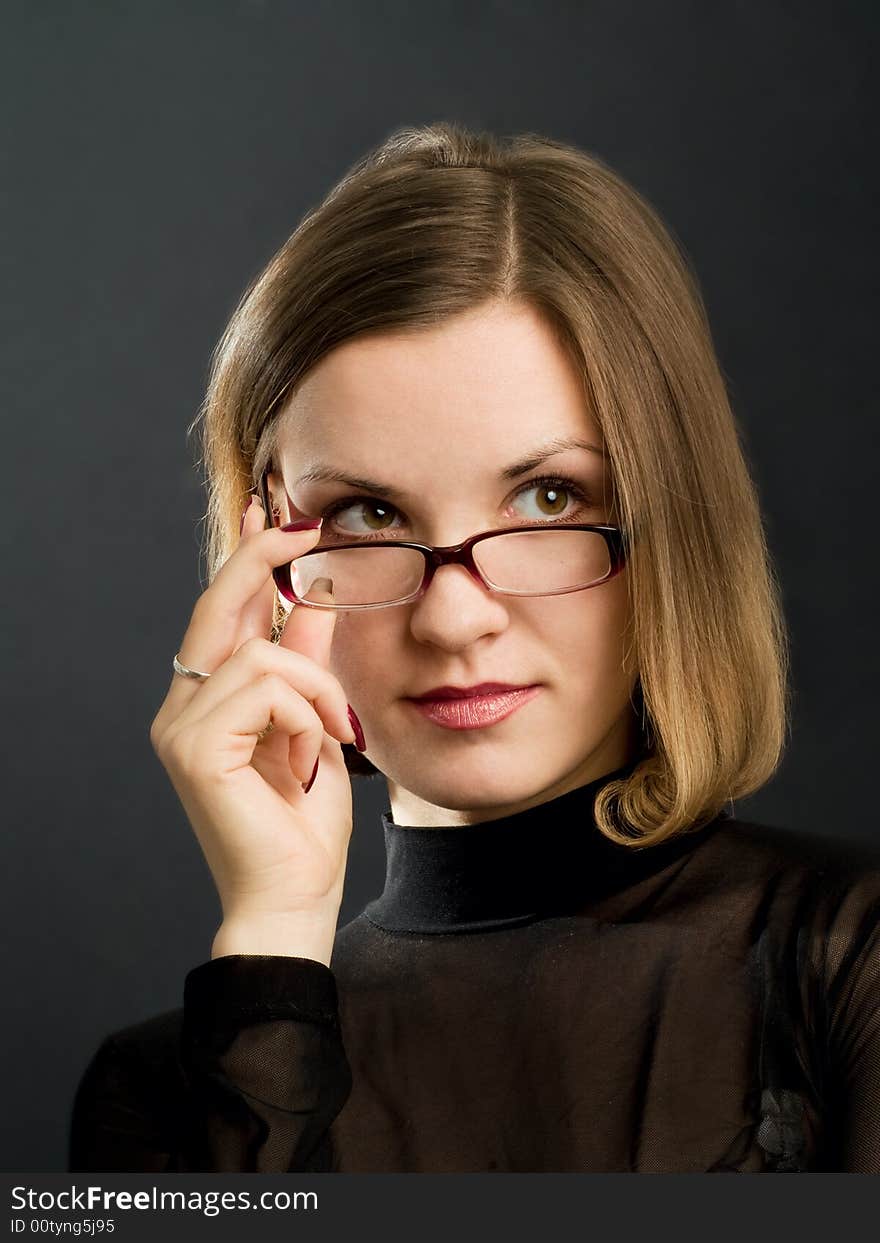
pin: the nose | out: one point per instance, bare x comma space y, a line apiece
456, 610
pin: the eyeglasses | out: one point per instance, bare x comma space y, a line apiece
510, 561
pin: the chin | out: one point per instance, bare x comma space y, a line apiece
478, 782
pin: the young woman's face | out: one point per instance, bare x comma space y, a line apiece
438, 416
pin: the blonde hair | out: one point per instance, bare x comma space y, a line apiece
440, 219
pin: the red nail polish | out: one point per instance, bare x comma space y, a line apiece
304, 524
359, 742
311, 781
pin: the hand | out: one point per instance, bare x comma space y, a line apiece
275, 852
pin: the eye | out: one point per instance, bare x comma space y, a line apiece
556, 490
377, 515
376, 522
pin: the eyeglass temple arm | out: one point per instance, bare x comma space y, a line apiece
618, 537
265, 498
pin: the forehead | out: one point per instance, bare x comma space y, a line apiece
486, 385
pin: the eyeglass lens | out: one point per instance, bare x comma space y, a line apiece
523, 562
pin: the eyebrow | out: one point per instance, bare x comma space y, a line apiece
322, 473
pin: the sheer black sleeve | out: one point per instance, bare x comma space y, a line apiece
250, 1082
847, 951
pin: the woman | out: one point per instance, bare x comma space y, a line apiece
580, 960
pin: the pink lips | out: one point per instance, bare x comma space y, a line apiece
467, 692
475, 711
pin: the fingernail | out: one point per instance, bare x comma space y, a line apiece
359, 742
244, 515
311, 781
304, 524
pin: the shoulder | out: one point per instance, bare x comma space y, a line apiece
357, 942
135, 1072
144, 1051
751, 850
150, 1038
366, 957
823, 888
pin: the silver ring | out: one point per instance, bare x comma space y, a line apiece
186, 672
189, 673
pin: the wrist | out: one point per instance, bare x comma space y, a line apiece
290, 936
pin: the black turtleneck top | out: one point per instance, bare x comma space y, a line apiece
527, 996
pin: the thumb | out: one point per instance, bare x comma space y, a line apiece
310, 631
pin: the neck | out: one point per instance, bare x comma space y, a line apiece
549, 859
411, 809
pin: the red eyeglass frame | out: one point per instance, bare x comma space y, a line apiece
450, 554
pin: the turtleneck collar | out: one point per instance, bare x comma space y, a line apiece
547, 860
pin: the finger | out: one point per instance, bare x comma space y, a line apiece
224, 740
310, 631
258, 658
258, 614
211, 636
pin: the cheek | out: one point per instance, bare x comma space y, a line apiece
590, 630
365, 651
584, 636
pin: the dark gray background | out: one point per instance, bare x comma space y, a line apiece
157, 154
